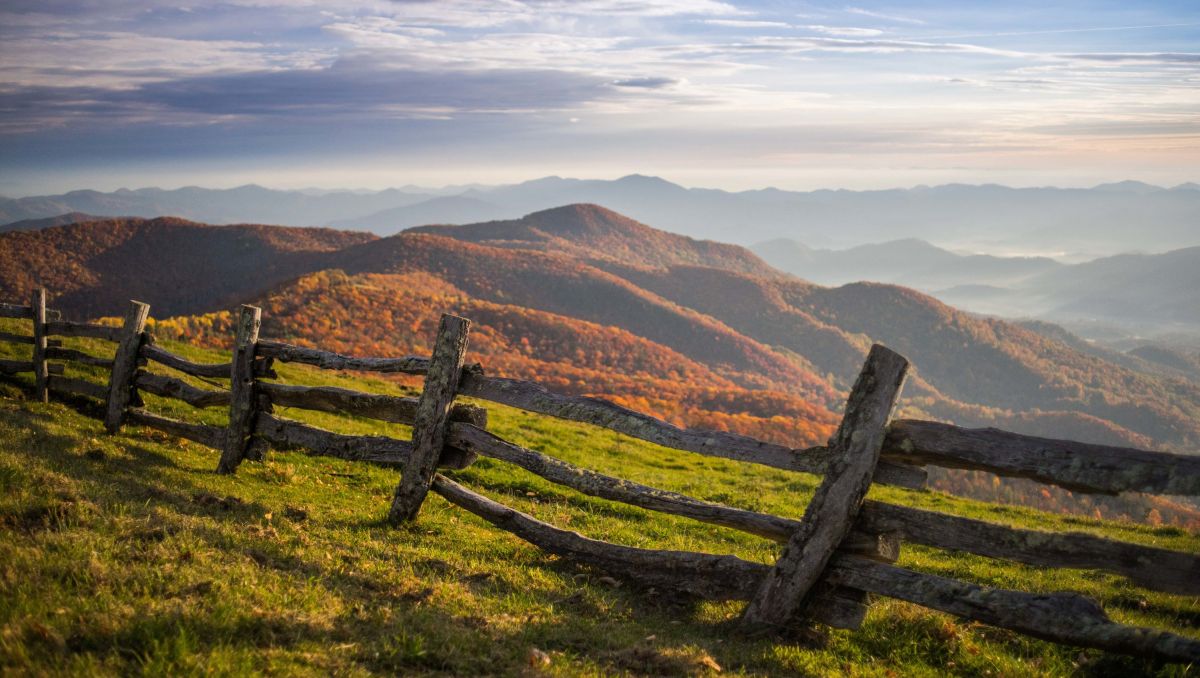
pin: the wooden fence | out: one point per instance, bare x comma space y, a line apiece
842, 549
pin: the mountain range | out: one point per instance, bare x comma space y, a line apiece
592, 302
718, 306
1127, 295
1075, 223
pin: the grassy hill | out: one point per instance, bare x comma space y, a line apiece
127, 554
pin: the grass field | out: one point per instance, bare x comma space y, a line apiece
127, 554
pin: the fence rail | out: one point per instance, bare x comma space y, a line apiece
842, 549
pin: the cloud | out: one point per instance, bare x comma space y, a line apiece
1187, 58
845, 31
344, 91
886, 17
807, 44
746, 23
646, 83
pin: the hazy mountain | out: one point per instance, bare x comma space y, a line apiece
593, 232
47, 222
1130, 288
245, 204
1082, 223
910, 262
1147, 293
454, 209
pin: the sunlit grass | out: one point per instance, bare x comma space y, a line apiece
127, 553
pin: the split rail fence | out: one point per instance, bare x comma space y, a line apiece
841, 550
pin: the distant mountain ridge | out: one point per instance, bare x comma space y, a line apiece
594, 232
47, 222
1091, 222
1144, 293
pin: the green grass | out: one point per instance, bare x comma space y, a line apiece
127, 554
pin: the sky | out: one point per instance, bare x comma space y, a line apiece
369, 94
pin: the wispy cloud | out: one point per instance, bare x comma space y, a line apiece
846, 31
895, 18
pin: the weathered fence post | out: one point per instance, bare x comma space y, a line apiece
120, 382
834, 506
41, 374
242, 403
433, 413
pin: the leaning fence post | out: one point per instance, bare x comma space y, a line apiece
834, 507
433, 412
120, 381
241, 386
41, 373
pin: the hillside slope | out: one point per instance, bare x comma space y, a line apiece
566, 280
177, 266
593, 232
126, 554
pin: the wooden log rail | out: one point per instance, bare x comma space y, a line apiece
1059, 617
432, 418
328, 360
170, 387
536, 398
394, 409
1150, 567
68, 328
15, 366
16, 311
380, 450
830, 514
58, 353
165, 357
16, 338
704, 575
37, 307
1076, 466
212, 436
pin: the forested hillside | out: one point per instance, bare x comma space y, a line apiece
591, 302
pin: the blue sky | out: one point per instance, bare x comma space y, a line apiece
337, 93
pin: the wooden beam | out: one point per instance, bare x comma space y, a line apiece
16, 366
472, 439
58, 353
67, 328
204, 434
38, 311
831, 512
120, 382
16, 338
432, 416
534, 397
15, 311
396, 409
165, 357
170, 387
241, 386
1080, 467
379, 450
1149, 567
1059, 617
700, 574
335, 361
